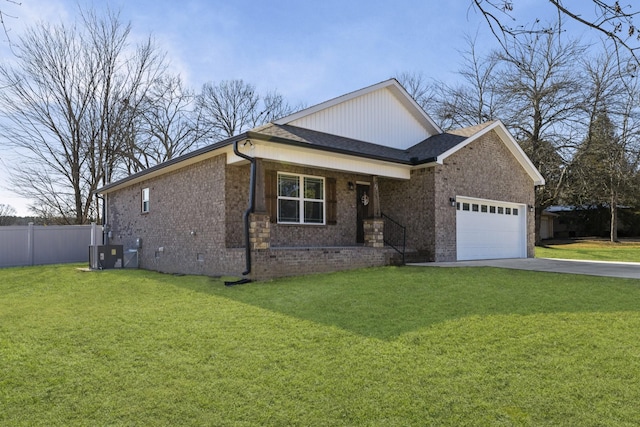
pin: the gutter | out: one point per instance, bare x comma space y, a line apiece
285, 141
249, 211
413, 161
139, 176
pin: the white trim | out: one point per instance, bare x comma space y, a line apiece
322, 159
508, 141
144, 192
392, 84
288, 154
301, 199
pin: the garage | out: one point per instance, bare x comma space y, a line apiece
488, 229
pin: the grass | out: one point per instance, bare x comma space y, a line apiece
376, 347
590, 249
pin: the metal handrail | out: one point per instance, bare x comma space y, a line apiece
395, 235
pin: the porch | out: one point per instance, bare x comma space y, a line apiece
270, 261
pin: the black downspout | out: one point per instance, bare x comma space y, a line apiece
250, 209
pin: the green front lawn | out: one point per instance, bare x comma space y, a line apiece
377, 347
595, 250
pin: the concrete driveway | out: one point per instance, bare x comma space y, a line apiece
630, 270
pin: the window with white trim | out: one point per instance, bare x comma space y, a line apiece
301, 199
145, 200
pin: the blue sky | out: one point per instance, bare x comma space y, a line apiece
307, 51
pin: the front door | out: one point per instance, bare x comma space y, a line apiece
363, 203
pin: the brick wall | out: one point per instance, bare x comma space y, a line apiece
236, 188
280, 262
195, 225
343, 233
484, 169
411, 204
195, 220
184, 230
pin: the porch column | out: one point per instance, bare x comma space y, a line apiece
376, 198
259, 231
374, 233
259, 202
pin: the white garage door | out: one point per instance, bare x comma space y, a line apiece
487, 229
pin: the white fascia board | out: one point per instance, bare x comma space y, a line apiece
508, 141
320, 159
396, 88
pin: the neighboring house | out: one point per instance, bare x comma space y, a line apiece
314, 191
591, 221
547, 219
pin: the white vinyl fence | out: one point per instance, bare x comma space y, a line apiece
47, 244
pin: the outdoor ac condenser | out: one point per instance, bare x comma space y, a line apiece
102, 257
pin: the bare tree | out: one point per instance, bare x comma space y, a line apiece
543, 87
7, 213
601, 89
273, 106
168, 125
474, 100
233, 106
609, 18
477, 98
423, 90
3, 21
625, 178
67, 105
604, 168
228, 107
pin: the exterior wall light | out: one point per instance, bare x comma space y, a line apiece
532, 208
452, 202
351, 186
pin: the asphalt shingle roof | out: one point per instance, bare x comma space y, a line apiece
423, 152
431, 148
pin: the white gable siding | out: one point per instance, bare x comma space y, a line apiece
377, 117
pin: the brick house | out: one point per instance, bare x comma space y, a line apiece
335, 186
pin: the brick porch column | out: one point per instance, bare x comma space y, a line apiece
374, 233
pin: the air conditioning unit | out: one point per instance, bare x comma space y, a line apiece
103, 257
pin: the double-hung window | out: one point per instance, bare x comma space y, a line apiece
301, 199
145, 200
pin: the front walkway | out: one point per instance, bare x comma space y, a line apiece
630, 270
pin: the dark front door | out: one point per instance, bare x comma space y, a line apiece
363, 202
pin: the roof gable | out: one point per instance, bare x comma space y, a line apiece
383, 114
426, 146
473, 133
